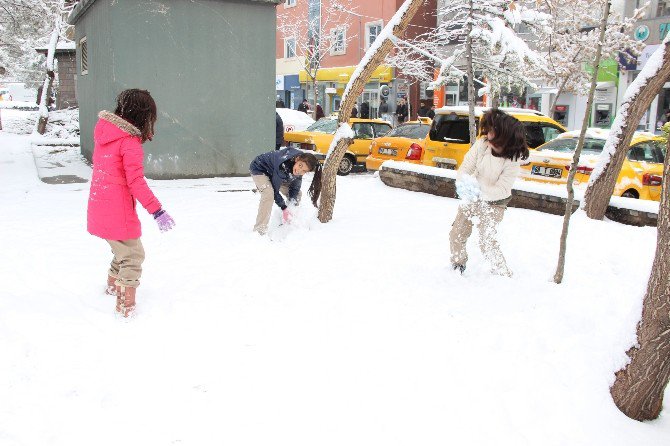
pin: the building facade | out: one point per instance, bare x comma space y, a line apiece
365, 21
209, 66
651, 30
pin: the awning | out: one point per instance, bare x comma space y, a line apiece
604, 85
383, 73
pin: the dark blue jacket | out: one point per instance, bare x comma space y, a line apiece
278, 166
279, 138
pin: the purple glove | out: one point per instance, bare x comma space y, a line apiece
287, 216
165, 222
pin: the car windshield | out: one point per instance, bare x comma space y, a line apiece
323, 125
412, 131
568, 145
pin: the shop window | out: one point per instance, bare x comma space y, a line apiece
83, 49
289, 48
372, 31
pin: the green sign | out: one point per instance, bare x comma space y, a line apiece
641, 33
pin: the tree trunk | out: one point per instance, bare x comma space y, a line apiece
632, 109
558, 276
49, 78
353, 91
316, 97
638, 388
471, 76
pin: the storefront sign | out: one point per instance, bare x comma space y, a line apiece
645, 55
641, 33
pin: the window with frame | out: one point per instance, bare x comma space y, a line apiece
663, 8
372, 31
289, 3
339, 38
83, 51
289, 48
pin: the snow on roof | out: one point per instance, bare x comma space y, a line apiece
481, 110
598, 133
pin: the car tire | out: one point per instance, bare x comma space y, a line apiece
345, 166
630, 193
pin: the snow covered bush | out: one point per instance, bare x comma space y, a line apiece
63, 124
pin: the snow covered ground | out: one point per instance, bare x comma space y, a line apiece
354, 332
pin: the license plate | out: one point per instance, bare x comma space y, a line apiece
390, 152
552, 172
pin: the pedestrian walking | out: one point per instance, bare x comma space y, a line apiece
431, 112
401, 111
484, 183
319, 112
280, 172
384, 111
365, 110
354, 112
423, 110
117, 181
304, 106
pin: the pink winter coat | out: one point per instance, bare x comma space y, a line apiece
118, 179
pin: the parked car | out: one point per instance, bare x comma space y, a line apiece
403, 143
641, 174
449, 137
319, 135
294, 120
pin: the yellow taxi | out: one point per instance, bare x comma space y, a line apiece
319, 135
449, 137
403, 143
641, 174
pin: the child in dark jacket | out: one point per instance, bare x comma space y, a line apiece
280, 172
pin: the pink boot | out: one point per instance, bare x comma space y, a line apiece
125, 300
111, 288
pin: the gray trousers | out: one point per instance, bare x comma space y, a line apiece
488, 216
264, 187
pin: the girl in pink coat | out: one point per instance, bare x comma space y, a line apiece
117, 183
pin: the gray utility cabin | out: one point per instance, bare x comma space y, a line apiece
209, 64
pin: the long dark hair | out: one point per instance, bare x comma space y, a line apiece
510, 135
314, 166
139, 108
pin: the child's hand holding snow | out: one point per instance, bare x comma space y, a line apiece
467, 188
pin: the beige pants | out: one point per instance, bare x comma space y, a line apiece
488, 216
126, 265
264, 187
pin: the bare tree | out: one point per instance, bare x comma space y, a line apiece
322, 32
570, 41
57, 9
343, 138
639, 387
636, 101
480, 36
558, 276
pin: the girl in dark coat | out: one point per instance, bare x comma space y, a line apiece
280, 172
